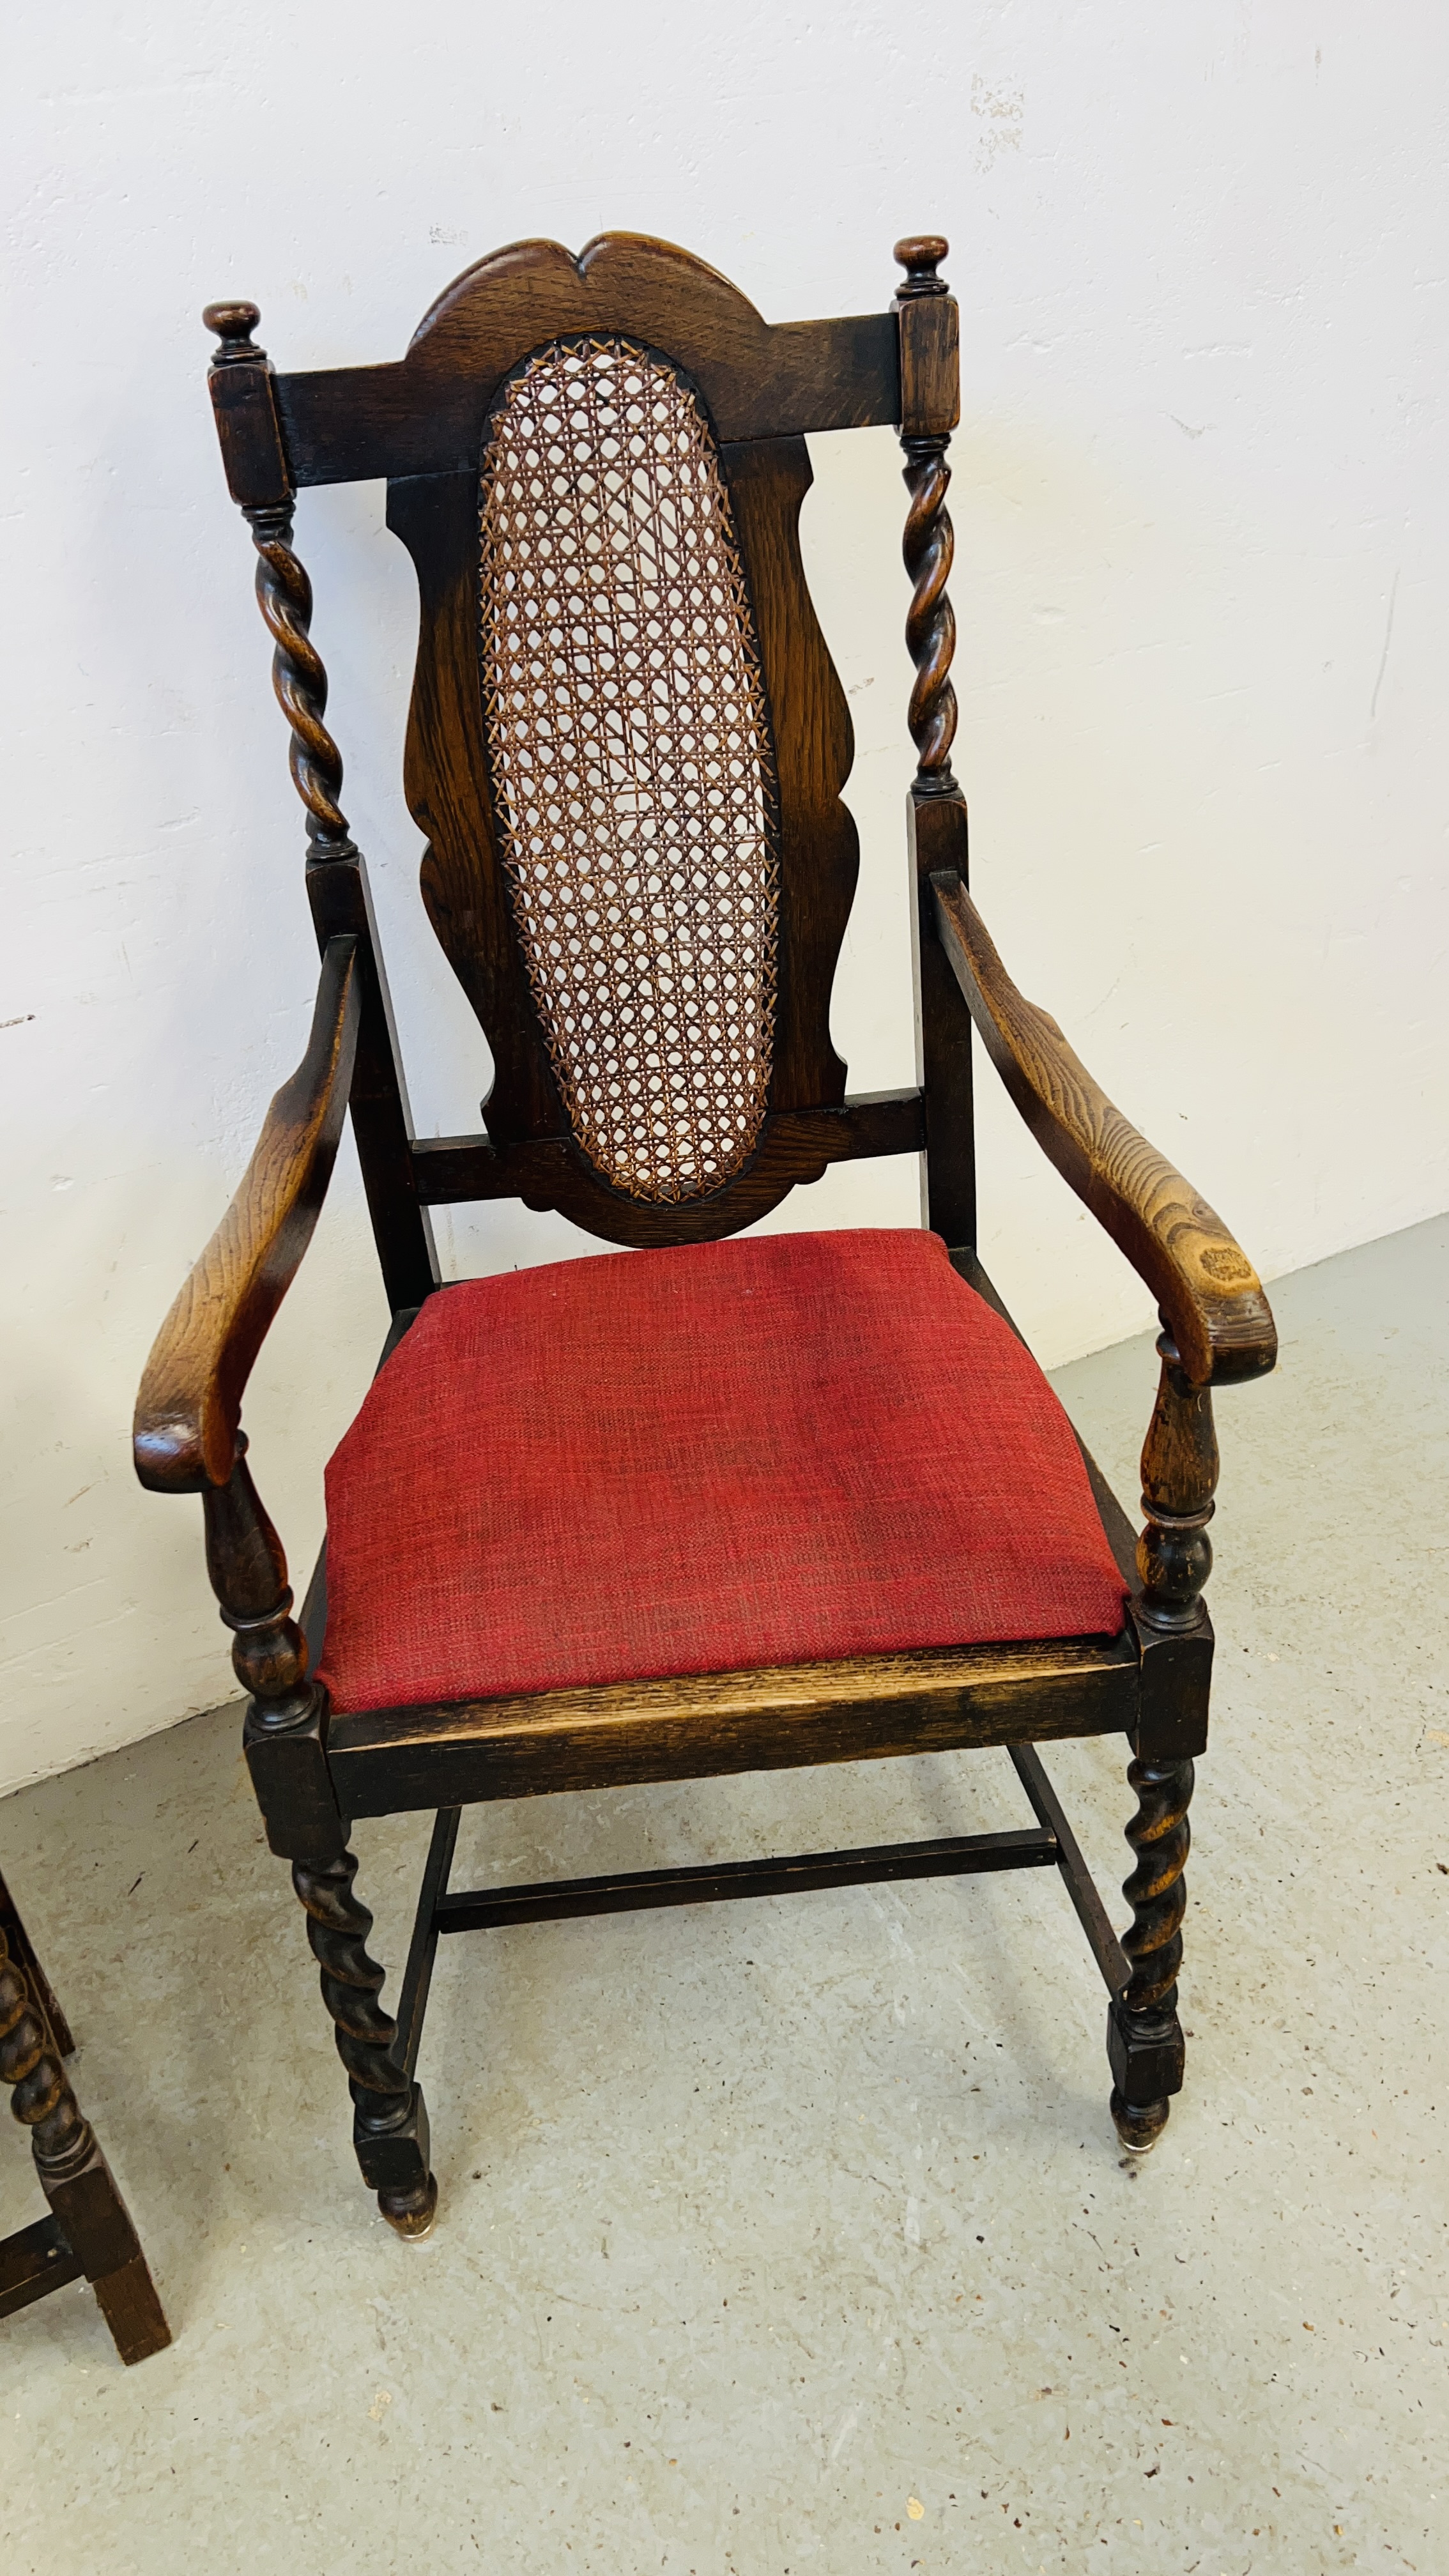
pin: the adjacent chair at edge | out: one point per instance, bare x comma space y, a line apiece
703, 1506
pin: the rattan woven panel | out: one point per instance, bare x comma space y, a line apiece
632, 766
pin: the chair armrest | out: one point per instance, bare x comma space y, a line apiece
1210, 1295
189, 1407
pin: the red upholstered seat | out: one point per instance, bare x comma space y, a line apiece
789, 1450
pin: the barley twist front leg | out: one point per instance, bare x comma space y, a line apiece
286, 1752
1174, 1560
391, 2127
1145, 2038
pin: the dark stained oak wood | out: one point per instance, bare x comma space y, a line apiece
34, 2261
1207, 1287
243, 402
89, 2230
390, 2131
1179, 1479
369, 424
930, 407
726, 1882
814, 748
780, 1718
23, 1953
1145, 2045
189, 1407
286, 1750
1091, 1913
337, 890
753, 389
446, 780
423, 1949
450, 1168
424, 414
242, 390
936, 832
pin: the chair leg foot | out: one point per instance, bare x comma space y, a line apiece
1139, 2126
411, 2211
127, 2300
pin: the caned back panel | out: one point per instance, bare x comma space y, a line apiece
632, 762
627, 744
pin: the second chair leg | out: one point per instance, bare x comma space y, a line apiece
390, 2129
74, 2175
1144, 2035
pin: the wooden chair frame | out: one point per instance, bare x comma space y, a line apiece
88, 2233
420, 424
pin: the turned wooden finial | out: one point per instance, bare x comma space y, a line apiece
233, 325
920, 257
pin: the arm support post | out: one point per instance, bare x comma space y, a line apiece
188, 1436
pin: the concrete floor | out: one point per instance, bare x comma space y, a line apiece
794, 2235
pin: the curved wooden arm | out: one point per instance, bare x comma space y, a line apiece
189, 1407
1209, 1293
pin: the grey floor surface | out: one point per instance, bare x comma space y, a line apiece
794, 2235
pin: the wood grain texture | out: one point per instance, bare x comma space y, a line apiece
1145, 2040
1207, 1288
814, 749
930, 408
425, 414
189, 1407
299, 678
927, 1702
241, 387
391, 2130
449, 792
1179, 1479
930, 332
243, 401
423, 424
97, 2225
453, 1168
91, 2230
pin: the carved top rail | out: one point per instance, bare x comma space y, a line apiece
426, 413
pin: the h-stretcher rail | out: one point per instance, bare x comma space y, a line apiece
1051, 1844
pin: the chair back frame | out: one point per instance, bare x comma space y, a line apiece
425, 422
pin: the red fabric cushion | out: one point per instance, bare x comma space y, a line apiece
730, 1454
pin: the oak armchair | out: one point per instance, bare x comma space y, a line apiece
708, 1505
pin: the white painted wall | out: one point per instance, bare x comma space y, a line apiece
1202, 509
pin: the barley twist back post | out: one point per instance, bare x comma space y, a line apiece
929, 410
927, 333
284, 593
285, 1745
